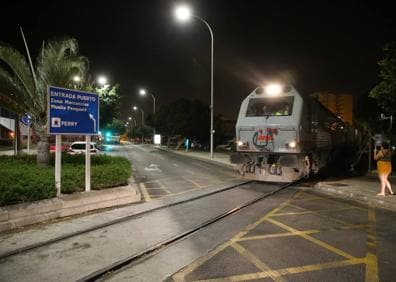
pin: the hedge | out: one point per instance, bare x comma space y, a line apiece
22, 180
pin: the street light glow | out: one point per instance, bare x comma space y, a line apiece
76, 78
102, 80
183, 13
142, 92
135, 108
130, 118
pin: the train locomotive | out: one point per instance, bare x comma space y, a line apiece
283, 136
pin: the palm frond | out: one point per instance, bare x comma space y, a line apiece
19, 67
58, 62
13, 94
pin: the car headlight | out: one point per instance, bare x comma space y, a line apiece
292, 144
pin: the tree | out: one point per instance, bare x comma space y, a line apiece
110, 104
385, 91
116, 127
184, 117
23, 89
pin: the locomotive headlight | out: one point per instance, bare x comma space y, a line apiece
292, 144
241, 143
273, 89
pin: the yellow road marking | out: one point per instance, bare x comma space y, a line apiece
257, 262
192, 181
311, 211
277, 235
370, 260
313, 240
146, 195
164, 188
371, 255
179, 276
324, 216
160, 179
289, 270
330, 200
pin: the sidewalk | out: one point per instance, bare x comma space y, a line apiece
362, 188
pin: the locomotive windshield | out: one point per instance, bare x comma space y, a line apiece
274, 106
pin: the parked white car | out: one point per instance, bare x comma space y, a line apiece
78, 147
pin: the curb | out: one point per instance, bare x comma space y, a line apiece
328, 189
20, 215
198, 158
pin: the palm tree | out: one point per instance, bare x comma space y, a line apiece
23, 89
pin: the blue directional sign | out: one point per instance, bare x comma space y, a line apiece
72, 112
26, 119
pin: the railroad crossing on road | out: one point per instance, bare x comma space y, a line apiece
307, 238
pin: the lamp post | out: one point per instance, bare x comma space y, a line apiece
135, 109
183, 13
384, 117
143, 92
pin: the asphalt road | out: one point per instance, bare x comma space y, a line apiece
160, 173
295, 235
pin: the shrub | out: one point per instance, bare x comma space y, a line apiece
21, 180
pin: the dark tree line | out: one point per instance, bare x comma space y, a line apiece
189, 118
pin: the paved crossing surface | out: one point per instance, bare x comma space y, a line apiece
307, 238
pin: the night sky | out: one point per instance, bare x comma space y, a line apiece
320, 45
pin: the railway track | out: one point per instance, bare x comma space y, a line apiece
155, 246
110, 223
152, 250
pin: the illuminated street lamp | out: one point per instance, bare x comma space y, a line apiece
76, 78
102, 80
143, 92
183, 14
135, 108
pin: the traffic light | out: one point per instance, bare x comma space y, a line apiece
108, 136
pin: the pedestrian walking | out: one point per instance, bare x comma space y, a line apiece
383, 157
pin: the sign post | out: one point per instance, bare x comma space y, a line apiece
26, 119
72, 112
58, 162
87, 163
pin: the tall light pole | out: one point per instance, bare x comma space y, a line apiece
183, 13
143, 92
135, 109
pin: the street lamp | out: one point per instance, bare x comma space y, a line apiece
143, 92
384, 117
102, 80
183, 14
76, 78
135, 108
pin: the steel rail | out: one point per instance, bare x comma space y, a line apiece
112, 222
94, 276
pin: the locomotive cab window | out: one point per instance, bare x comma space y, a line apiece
274, 106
